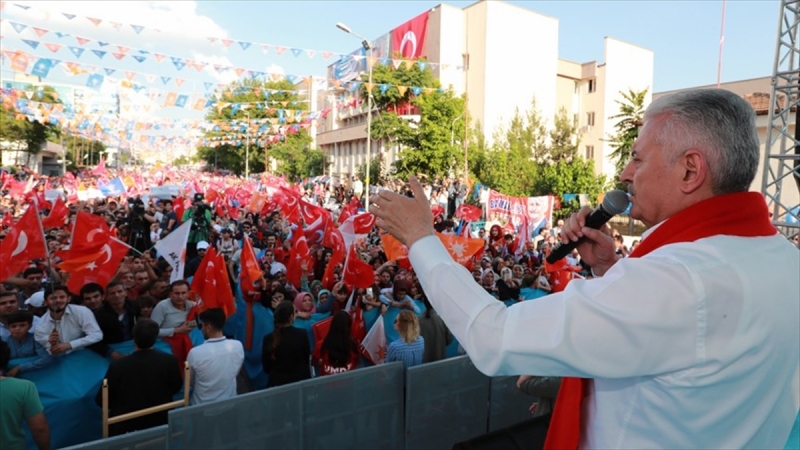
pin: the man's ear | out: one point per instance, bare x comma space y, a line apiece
694, 167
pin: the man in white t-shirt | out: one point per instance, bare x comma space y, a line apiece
216, 362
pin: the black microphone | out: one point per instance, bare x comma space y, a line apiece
614, 203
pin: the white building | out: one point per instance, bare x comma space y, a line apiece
486, 39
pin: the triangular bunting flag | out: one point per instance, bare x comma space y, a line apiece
179, 81
139, 58
159, 57
18, 27
129, 75
99, 53
326, 55
102, 44
280, 50
110, 71
124, 50
33, 44
119, 56
40, 31
245, 45
178, 62
402, 90
116, 25
296, 51
165, 80
69, 16
77, 51
82, 41
265, 48
137, 28
96, 22
310, 53
53, 47
226, 42
62, 35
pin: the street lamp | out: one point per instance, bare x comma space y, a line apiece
368, 47
247, 148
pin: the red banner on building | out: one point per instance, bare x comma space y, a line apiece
408, 39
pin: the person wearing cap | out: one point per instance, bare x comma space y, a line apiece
194, 263
200, 214
36, 304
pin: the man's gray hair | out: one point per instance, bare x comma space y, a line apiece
718, 123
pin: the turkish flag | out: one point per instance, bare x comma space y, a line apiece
57, 215
437, 210
350, 209
335, 241
363, 223
297, 255
102, 268
23, 243
204, 282
289, 203
357, 273
250, 273
468, 212
8, 220
408, 39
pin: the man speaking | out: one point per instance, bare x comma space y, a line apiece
691, 342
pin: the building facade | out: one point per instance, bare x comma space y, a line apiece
503, 57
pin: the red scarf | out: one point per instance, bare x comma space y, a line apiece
742, 214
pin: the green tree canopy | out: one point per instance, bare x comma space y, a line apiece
243, 125
26, 135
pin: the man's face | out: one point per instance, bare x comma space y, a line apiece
141, 279
35, 281
159, 290
93, 300
178, 295
128, 280
115, 296
270, 241
8, 304
651, 177
57, 301
137, 264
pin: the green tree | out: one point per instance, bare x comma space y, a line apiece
563, 138
26, 135
430, 145
245, 129
569, 177
631, 113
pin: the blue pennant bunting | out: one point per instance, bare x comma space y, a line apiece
297, 51
62, 35
165, 80
69, 16
422, 65
77, 51
18, 27
144, 52
99, 53
181, 101
139, 58
110, 71
245, 45
42, 67
137, 28
25, 7
95, 80
292, 78
384, 88
178, 62
32, 43
208, 85
102, 44
416, 90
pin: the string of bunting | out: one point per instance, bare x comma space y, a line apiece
21, 60
225, 42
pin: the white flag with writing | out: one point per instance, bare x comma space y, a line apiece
173, 249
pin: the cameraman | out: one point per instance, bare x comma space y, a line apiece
200, 214
138, 221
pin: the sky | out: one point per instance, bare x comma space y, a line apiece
684, 35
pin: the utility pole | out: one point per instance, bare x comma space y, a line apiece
466, 112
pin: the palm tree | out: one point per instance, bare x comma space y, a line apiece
631, 112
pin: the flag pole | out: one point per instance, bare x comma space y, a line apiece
721, 45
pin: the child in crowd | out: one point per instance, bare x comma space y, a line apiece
23, 345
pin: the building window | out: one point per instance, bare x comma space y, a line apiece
590, 119
592, 85
590, 152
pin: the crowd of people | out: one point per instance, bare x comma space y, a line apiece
305, 258
42, 318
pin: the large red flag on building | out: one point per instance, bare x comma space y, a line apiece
23, 243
